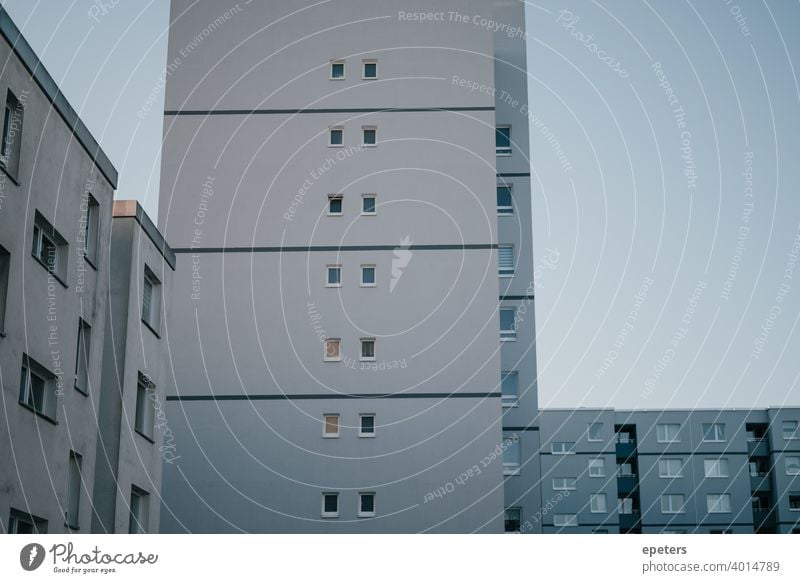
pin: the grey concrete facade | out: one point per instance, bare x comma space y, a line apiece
56, 189
134, 436
679, 471
247, 171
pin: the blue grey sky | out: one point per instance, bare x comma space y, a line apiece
665, 142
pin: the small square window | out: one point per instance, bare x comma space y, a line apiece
597, 503
595, 432
564, 484
145, 406
503, 140
508, 325
512, 455
505, 260
368, 204
668, 432
366, 427
509, 388
370, 69
370, 136
513, 521
792, 465
562, 447
505, 201
597, 468
789, 430
335, 204
330, 427
794, 502
337, 70
367, 276
333, 349
565, 520
151, 300
330, 505
366, 504
334, 278
367, 349
336, 137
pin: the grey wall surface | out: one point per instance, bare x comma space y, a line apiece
42, 313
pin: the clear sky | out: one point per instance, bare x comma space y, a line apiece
665, 147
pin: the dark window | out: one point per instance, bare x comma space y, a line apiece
337, 70
512, 520
12, 135
367, 425
502, 138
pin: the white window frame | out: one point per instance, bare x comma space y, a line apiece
511, 334
374, 198
665, 426
512, 468
670, 510
506, 211
364, 130
367, 514
331, 198
509, 400
325, 433
331, 130
792, 433
565, 520
344, 70
506, 272
364, 64
153, 316
83, 356
594, 467
374, 275
719, 429
595, 509
666, 469
600, 426
361, 356
31, 368
328, 269
144, 413
714, 501
505, 151
562, 450
361, 432
565, 484
338, 357
796, 463
719, 467
328, 514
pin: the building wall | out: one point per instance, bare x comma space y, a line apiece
251, 382
59, 164
739, 448
127, 457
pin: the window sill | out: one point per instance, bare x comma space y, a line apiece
368, 214
507, 339
368, 285
330, 436
331, 360
503, 154
38, 413
147, 437
510, 405
507, 214
369, 145
329, 515
366, 515
505, 275
337, 78
367, 435
49, 271
336, 145
333, 285
149, 327
515, 472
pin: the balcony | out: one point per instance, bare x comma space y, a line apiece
757, 448
629, 521
626, 483
763, 517
626, 448
760, 483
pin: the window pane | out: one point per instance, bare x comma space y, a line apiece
504, 200
369, 137
511, 452
367, 424
332, 349
367, 349
595, 431
367, 503
335, 205
336, 138
337, 70
507, 319
503, 140
331, 424
368, 204
793, 465
789, 428
509, 386
334, 276
331, 503
505, 259
512, 520
368, 275
370, 70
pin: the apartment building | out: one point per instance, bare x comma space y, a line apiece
673, 471
350, 301
134, 434
56, 189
